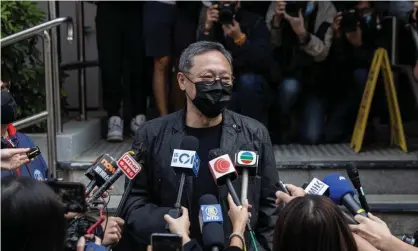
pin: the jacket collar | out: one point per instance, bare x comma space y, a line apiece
230, 128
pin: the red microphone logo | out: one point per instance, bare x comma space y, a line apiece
221, 165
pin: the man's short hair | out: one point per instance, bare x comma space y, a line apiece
199, 48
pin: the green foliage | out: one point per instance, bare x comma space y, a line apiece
21, 64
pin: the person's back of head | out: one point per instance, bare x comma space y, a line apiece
312, 223
32, 217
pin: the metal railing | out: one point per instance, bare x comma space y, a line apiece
50, 83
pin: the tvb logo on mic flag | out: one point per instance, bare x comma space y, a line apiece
211, 213
246, 158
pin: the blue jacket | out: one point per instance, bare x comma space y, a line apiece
37, 168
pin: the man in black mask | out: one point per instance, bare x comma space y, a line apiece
207, 80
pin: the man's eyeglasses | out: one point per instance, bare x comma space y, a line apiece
225, 79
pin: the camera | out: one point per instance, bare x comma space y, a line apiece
293, 7
350, 20
227, 11
77, 228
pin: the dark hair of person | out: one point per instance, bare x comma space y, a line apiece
32, 217
312, 223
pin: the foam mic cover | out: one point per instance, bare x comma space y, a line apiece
211, 222
342, 193
189, 143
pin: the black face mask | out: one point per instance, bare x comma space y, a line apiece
8, 108
211, 99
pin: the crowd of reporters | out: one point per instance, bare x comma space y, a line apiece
33, 219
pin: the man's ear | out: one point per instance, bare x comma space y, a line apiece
181, 81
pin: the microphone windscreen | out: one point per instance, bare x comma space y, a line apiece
212, 232
208, 199
189, 143
215, 153
338, 187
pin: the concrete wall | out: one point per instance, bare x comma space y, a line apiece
69, 53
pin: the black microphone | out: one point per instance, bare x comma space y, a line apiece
125, 165
185, 161
210, 218
246, 162
139, 158
342, 193
100, 172
354, 176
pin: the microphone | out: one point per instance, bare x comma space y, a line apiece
317, 187
246, 162
342, 193
210, 218
139, 158
100, 172
185, 161
223, 171
126, 165
355, 179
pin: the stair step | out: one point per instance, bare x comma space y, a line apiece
341, 154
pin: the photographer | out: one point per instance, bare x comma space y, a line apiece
245, 35
357, 34
301, 37
10, 138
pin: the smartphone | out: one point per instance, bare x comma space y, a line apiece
33, 152
72, 195
166, 242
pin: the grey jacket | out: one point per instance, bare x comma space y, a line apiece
316, 48
154, 190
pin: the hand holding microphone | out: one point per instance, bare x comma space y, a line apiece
374, 230
238, 215
294, 192
181, 225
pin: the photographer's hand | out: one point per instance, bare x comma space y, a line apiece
212, 16
355, 37
336, 25
113, 231
233, 30
280, 10
297, 23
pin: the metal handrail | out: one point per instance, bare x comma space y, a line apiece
36, 30
49, 83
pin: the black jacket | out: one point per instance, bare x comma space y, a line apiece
254, 55
155, 188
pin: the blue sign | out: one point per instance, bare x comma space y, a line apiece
211, 213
